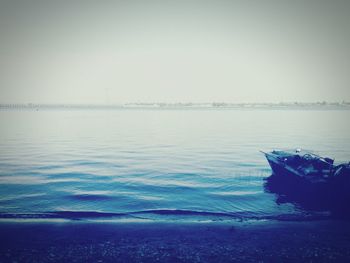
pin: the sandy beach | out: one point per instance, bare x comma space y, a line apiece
264, 241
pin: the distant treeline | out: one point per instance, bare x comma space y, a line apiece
343, 104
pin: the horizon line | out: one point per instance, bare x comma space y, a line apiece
174, 103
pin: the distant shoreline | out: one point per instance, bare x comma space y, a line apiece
214, 105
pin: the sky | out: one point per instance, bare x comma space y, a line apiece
174, 51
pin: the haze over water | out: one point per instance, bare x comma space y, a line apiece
155, 163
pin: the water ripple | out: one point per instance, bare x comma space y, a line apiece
153, 164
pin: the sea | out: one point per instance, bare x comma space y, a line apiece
170, 165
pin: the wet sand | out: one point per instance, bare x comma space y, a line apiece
268, 241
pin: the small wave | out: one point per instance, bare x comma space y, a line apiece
237, 193
90, 197
163, 214
23, 196
49, 167
34, 180
158, 182
60, 214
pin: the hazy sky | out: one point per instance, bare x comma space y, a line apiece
169, 51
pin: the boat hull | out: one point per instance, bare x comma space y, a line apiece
292, 186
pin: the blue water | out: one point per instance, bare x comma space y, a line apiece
155, 164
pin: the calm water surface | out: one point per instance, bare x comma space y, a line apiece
153, 164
